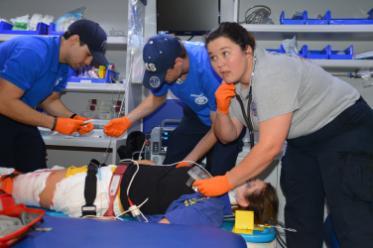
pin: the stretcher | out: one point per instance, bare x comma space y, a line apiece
71, 232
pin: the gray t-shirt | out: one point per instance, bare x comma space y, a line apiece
283, 84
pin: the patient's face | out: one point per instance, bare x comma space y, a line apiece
250, 188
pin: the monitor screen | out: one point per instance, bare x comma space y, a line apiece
187, 17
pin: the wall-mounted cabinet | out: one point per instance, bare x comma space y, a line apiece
321, 34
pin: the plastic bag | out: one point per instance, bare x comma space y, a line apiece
20, 23
64, 21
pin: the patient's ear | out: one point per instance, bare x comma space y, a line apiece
245, 204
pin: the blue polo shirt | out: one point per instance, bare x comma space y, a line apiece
32, 64
198, 89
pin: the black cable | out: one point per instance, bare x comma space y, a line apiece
279, 235
279, 239
280, 242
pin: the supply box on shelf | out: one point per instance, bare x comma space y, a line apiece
52, 30
326, 53
7, 28
111, 76
303, 19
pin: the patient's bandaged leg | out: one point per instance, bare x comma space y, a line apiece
27, 187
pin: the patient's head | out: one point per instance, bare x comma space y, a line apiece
260, 197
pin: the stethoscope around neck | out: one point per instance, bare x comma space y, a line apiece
246, 115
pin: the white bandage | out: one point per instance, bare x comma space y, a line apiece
69, 194
27, 187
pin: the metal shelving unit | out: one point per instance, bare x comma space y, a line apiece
111, 40
95, 87
311, 32
328, 33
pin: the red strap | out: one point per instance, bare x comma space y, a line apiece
114, 185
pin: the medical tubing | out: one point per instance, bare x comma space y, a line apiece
142, 148
106, 153
136, 212
134, 209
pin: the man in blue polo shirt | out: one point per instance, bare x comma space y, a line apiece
184, 69
33, 72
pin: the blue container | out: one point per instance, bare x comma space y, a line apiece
265, 236
299, 19
327, 53
344, 54
370, 14
52, 30
110, 77
302, 19
6, 28
352, 21
314, 54
281, 49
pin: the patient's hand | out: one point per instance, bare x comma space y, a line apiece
164, 221
146, 162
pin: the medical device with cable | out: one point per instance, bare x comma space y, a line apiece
159, 139
133, 208
197, 172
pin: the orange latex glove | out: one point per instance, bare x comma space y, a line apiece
213, 186
183, 164
85, 128
67, 126
116, 127
223, 96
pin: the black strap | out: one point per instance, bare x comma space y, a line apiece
90, 188
247, 116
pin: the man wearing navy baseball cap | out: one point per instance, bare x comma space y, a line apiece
93, 35
159, 55
184, 69
33, 73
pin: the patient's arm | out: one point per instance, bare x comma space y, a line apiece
145, 162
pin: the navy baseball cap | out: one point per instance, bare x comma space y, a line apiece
159, 55
94, 36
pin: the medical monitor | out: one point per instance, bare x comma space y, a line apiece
187, 17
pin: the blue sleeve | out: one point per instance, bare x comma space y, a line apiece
61, 86
22, 68
162, 91
194, 209
212, 83
67, 71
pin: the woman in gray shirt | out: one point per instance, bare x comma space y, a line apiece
327, 125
